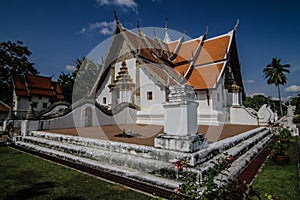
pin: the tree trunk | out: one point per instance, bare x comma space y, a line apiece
279, 96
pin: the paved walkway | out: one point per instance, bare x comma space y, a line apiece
147, 133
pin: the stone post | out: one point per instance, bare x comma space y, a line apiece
181, 128
235, 95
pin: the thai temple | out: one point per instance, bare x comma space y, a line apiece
139, 70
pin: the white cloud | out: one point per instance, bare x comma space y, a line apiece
258, 93
250, 81
295, 69
275, 98
104, 27
292, 88
121, 3
70, 68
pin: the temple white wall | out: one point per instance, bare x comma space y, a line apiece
152, 95
213, 109
103, 95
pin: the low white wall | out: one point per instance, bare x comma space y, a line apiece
240, 115
77, 118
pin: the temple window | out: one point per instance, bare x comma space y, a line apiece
104, 100
149, 95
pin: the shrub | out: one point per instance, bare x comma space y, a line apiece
297, 118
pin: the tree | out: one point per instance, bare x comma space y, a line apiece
296, 102
275, 73
256, 101
13, 62
66, 81
85, 74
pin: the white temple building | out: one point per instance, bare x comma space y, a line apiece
139, 70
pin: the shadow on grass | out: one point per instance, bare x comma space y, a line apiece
34, 191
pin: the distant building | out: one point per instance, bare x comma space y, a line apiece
4, 110
38, 91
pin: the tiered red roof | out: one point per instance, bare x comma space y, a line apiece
36, 85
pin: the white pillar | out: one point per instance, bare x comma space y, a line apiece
235, 99
181, 128
235, 95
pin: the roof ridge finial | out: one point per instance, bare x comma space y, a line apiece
166, 26
116, 17
236, 25
155, 35
167, 37
140, 32
206, 31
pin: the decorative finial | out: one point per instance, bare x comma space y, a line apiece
155, 36
139, 30
166, 26
206, 31
236, 25
116, 17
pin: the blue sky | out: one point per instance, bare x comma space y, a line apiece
59, 31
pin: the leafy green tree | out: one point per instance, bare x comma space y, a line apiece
296, 102
256, 101
85, 74
66, 81
13, 62
275, 73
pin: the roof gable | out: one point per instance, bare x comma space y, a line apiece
36, 85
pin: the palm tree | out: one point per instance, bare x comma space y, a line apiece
275, 73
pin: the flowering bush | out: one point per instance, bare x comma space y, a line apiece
285, 134
279, 148
206, 187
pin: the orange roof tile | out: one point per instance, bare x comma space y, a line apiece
205, 77
172, 45
187, 51
181, 69
213, 50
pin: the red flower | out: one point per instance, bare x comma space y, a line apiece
179, 165
230, 158
176, 190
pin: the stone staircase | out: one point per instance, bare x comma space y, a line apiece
144, 163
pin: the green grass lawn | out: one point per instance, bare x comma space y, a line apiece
23, 176
279, 180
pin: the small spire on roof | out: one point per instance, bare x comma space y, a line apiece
206, 32
140, 32
116, 17
166, 26
167, 37
236, 25
155, 35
